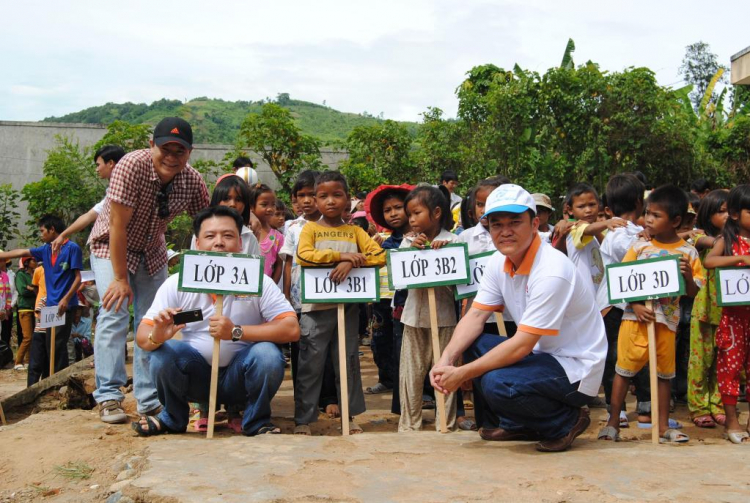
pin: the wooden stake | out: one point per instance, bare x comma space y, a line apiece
653, 377
214, 374
343, 375
52, 353
440, 398
501, 324
2, 415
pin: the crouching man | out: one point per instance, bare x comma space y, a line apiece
251, 364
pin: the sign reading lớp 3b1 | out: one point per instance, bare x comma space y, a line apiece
221, 273
362, 284
415, 268
645, 279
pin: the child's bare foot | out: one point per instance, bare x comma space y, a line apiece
333, 411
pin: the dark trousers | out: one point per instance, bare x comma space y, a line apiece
612, 322
40, 350
532, 394
382, 342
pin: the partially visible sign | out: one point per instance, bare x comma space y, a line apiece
49, 317
645, 279
733, 286
361, 285
414, 268
221, 273
477, 264
87, 276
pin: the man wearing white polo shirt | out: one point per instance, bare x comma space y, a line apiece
251, 364
536, 383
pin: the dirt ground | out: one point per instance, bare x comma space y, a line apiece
51, 454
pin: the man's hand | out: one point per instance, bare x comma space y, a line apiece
164, 327
446, 379
119, 290
220, 327
57, 243
356, 259
644, 314
340, 272
62, 306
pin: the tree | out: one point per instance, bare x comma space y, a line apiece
8, 213
273, 134
698, 68
378, 154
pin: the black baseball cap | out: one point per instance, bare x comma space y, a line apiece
173, 130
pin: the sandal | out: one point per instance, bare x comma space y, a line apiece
609, 433
720, 419
704, 421
201, 425
268, 429
152, 427
428, 404
234, 423
354, 428
673, 436
377, 389
111, 412
624, 423
302, 429
466, 424
737, 437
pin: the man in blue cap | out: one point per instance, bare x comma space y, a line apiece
534, 385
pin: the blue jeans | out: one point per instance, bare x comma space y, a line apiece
532, 394
112, 329
250, 380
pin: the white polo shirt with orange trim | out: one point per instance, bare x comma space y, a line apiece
550, 297
242, 310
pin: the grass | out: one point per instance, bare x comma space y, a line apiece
74, 470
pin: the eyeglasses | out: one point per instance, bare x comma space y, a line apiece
162, 199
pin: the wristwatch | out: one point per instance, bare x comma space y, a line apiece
236, 333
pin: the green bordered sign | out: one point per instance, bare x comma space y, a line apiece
221, 273
648, 279
414, 268
361, 285
733, 286
477, 263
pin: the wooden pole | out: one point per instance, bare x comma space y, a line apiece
52, 353
653, 377
440, 398
501, 325
343, 375
2, 415
214, 373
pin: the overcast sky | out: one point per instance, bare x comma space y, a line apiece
394, 57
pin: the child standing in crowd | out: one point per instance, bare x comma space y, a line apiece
733, 334
544, 211
232, 191
624, 200
279, 217
704, 399
583, 237
263, 206
330, 242
666, 207
429, 218
26, 302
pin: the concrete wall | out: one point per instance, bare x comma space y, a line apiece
24, 146
741, 68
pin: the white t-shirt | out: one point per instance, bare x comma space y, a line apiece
584, 252
99, 207
550, 297
249, 242
242, 310
289, 249
613, 248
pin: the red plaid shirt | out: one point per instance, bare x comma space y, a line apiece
134, 183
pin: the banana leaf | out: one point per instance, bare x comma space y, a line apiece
567, 61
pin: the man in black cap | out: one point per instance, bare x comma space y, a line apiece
147, 189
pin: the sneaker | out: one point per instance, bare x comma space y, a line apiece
111, 412
19, 367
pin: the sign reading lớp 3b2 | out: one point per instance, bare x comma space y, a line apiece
221, 273
362, 284
645, 279
414, 268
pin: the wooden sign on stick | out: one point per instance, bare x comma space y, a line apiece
220, 274
414, 268
647, 280
733, 286
361, 285
477, 263
50, 319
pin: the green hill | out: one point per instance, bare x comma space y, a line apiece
217, 121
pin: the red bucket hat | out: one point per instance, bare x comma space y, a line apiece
376, 198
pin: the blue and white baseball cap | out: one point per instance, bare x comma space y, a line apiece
509, 198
